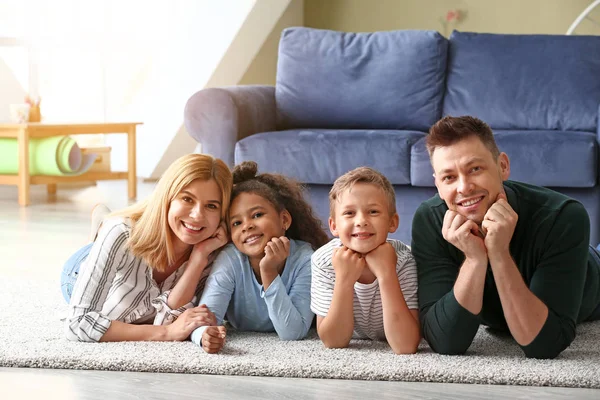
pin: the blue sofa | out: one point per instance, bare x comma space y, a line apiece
343, 100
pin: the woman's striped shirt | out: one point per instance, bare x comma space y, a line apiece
114, 285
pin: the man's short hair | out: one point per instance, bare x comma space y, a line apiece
362, 175
450, 130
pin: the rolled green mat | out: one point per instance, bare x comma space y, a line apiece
56, 155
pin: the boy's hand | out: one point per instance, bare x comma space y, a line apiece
213, 339
347, 264
276, 252
382, 260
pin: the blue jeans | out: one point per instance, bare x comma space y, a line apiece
71, 271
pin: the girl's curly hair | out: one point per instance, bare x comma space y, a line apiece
285, 194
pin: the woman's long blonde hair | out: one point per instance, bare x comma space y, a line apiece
150, 237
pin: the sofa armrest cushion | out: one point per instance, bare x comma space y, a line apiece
218, 117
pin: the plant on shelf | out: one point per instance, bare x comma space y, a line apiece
34, 108
452, 19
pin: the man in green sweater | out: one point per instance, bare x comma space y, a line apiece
513, 256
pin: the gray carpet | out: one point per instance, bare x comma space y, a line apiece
31, 336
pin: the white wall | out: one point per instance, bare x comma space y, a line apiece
253, 49
194, 36
14, 75
120, 60
137, 60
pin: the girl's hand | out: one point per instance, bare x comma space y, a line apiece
276, 252
191, 319
203, 252
213, 339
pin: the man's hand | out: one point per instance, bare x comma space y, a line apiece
347, 264
203, 252
464, 235
189, 320
213, 339
499, 223
276, 252
382, 260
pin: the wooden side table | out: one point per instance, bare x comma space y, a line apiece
24, 132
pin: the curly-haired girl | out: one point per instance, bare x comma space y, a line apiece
262, 280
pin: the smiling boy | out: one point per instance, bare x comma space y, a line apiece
364, 285
513, 256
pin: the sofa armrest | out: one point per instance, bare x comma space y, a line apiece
218, 117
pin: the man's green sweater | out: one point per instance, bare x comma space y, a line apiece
550, 247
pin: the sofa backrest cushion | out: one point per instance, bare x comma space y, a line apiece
525, 81
381, 80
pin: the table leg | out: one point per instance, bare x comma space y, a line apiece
131, 163
23, 149
52, 188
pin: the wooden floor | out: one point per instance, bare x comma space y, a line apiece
36, 240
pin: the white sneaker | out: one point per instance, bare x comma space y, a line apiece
98, 213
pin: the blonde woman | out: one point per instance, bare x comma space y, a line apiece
144, 271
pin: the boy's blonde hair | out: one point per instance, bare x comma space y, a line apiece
362, 175
151, 235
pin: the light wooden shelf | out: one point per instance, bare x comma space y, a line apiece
24, 132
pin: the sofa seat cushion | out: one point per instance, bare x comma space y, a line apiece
530, 82
379, 80
320, 156
544, 158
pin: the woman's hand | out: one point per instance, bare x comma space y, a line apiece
201, 256
191, 319
213, 339
203, 252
